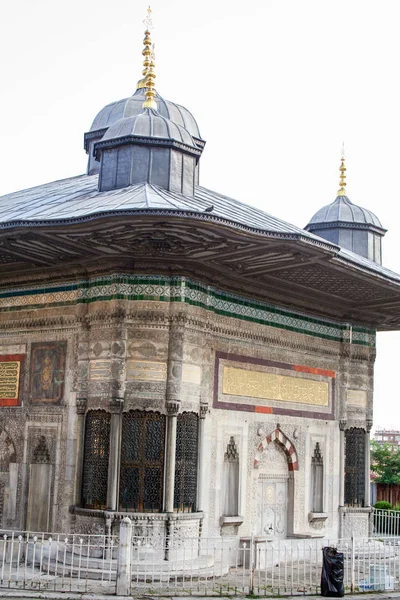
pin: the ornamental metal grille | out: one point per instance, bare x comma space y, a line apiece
95, 462
142, 461
354, 479
186, 462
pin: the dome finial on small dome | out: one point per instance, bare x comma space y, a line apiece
342, 169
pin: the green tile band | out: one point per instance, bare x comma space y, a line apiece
181, 289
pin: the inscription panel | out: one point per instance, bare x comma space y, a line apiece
10, 378
137, 370
100, 370
272, 386
265, 386
191, 373
357, 398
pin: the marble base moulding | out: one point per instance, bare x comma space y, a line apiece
354, 521
179, 525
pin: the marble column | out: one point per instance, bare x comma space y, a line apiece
172, 411
81, 405
173, 402
367, 499
200, 457
342, 425
116, 405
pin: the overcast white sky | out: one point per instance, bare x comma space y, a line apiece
275, 85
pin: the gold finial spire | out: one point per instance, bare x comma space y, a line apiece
342, 169
148, 23
148, 65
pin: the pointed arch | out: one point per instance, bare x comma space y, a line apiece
284, 443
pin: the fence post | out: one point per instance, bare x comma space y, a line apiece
124, 558
353, 563
251, 563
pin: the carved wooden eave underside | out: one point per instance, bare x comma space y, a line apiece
286, 269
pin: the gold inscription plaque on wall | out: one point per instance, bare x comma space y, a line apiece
9, 379
271, 386
357, 398
99, 370
138, 370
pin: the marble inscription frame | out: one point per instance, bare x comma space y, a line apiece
271, 406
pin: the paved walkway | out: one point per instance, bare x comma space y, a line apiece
29, 594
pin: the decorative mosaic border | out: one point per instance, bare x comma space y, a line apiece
273, 410
181, 289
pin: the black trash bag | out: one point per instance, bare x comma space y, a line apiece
332, 573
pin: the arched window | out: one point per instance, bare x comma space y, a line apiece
354, 481
231, 480
186, 462
317, 480
95, 462
142, 461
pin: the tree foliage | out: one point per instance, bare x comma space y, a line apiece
385, 463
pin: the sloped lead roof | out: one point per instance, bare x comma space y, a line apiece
78, 198
69, 222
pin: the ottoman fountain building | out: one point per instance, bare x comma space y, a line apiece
174, 355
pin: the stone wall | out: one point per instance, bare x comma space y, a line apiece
147, 342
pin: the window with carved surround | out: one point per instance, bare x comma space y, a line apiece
317, 480
142, 461
231, 480
186, 462
354, 480
95, 462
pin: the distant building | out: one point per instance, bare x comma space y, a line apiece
387, 436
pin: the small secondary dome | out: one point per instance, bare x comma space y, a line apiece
348, 225
342, 209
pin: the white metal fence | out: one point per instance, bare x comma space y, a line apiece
142, 564
386, 522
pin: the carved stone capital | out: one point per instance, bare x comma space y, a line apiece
116, 405
203, 411
81, 405
342, 424
368, 424
172, 408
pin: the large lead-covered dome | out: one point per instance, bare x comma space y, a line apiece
131, 107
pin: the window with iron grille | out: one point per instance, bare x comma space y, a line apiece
186, 462
142, 461
354, 480
95, 462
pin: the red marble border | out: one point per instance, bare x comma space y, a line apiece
11, 358
328, 416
